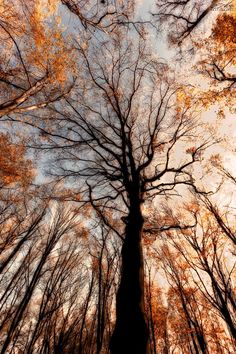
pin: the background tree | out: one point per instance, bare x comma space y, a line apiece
185, 17
101, 15
32, 72
188, 21
202, 273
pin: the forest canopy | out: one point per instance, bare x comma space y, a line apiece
117, 155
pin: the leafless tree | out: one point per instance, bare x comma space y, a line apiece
208, 241
117, 137
184, 17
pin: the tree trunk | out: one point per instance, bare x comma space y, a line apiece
131, 334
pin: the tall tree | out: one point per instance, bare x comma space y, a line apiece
117, 136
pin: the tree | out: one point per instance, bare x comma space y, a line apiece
128, 159
186, 16
203, 254
37, 296
217, 63
157, 315
216, 55
32, 72
102, 15
185, 295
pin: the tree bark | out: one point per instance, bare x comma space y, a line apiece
131, 333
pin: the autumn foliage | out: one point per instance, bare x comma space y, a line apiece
117, 177
14, 166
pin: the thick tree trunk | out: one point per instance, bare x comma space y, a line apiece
131, 334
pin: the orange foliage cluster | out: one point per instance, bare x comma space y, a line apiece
14, 166
50, 51
225, 29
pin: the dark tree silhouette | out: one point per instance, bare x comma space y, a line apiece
117, 136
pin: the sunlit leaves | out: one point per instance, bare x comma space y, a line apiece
14, 166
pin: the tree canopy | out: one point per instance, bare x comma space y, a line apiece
117, 201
